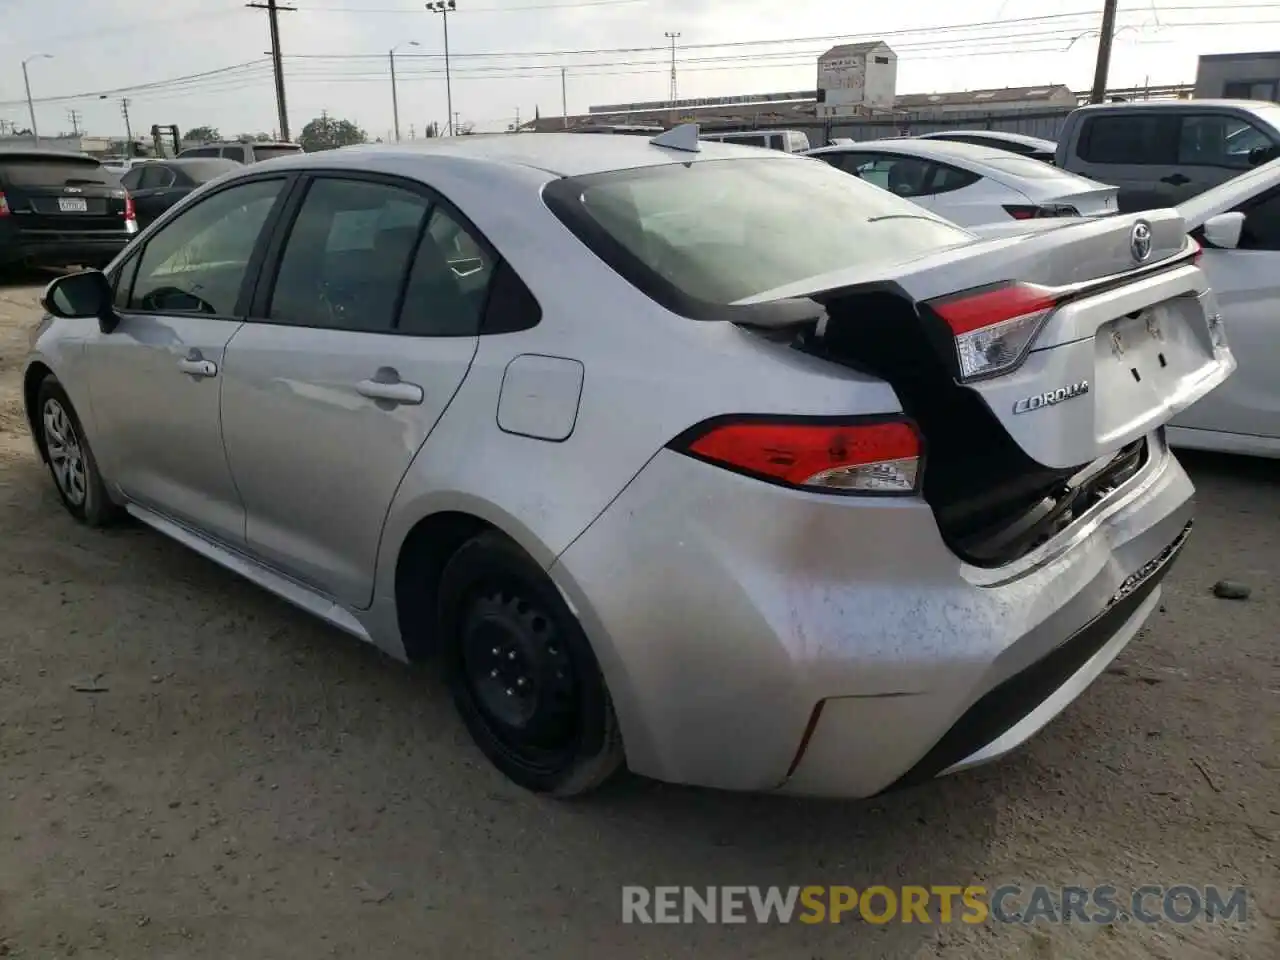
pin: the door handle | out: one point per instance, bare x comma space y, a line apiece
1176, 179
382, 387
198, 368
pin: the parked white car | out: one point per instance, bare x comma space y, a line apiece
1238, 223
971, 185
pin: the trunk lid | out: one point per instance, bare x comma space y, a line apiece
62, 193
1116, 346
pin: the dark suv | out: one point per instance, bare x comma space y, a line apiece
58, 209
241, 152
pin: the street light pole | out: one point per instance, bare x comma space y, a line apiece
444, 8
26, 82
395, 100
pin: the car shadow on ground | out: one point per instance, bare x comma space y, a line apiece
335, 770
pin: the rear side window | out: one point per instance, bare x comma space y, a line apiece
347, 255
201, 152
238, 154
748, 140
449, 283
719, 232
1130, 138
155, 177
945, 179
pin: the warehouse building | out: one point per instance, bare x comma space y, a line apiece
1239, 76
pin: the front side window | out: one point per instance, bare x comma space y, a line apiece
1218, 140
729, 230
197, 262
347, 255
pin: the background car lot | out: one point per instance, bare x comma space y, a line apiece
245, 781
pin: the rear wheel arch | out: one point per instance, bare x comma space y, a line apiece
422, 557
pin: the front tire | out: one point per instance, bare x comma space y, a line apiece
522, 673
70, 459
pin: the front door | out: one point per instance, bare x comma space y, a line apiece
1246, 282
156, 379
353, 355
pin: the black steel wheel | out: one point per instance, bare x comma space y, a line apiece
522, 673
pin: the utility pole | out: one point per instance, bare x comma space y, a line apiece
128, 128
395, 100
455, 122
444, 8
1099, 92
413, 133
564, 97
74, 117
517, 130
26, 81
273, 9
673, 37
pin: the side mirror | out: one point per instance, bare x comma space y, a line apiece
81, 296
1223, 231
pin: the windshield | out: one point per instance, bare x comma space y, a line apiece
724, 231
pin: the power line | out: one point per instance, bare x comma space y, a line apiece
934, 42
1088, 17
518, 9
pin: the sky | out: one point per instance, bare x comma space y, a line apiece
203, 62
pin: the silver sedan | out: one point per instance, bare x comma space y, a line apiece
714, 462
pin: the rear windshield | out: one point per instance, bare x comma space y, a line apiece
269, 153
55, 172
1030, 168
726, 230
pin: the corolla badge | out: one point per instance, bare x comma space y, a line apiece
1051, 397
1140, 241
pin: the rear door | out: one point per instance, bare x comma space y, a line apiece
1135, 151
1247, 284
357, 342
54, 194
151, 195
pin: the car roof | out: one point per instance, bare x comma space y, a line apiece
944, 150
1249, 105
994, 135
559, 154
29, 155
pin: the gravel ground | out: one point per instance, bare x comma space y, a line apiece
247, 783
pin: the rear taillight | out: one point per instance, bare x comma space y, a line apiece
130, 215
1020, 212
994, 327
870, 457
1032, 212
4, 205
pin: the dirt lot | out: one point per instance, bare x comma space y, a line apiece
248, 783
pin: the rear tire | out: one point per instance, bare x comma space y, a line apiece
522, 673
70, 459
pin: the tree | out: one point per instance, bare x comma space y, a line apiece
326, 133
432, 130
253, 137
203, 134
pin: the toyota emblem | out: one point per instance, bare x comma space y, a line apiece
1140, 241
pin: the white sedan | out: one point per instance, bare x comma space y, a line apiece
968, 184
1238, 222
